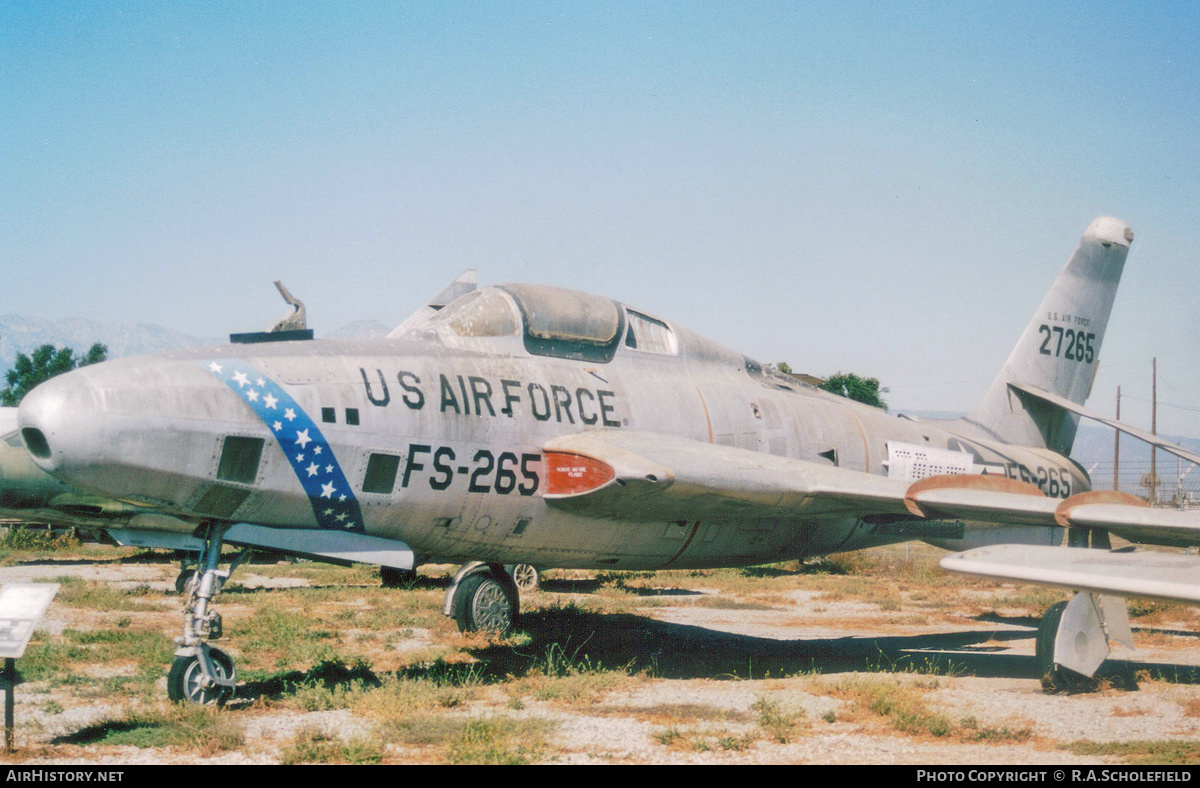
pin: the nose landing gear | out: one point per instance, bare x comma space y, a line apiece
201, 673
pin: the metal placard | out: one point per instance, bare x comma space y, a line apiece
21, 607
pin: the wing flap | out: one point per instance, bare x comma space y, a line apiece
1166, 576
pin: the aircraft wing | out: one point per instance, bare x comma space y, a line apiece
1141, 523
1168, 576
648, 477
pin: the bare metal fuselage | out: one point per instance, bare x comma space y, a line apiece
466, 424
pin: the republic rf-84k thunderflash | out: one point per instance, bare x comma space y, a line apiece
530, 424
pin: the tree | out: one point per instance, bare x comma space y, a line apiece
45, 363
847, 384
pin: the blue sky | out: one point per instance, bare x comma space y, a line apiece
885, 188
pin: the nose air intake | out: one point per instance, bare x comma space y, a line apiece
56, 419
36, 443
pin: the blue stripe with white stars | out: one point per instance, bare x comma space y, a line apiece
310, 455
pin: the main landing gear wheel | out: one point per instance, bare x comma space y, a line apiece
486, 600
1056, 678
526, 576
187, 682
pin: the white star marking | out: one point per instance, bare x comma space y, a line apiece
241, 379
261, 382
252, 395
302, 438
316, 450
328, 469
327, 490
312, 469
341, 498
270, 401
215, 367
277, 426
299, 458
289, 414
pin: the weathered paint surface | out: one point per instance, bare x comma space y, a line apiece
436, 436
468, 427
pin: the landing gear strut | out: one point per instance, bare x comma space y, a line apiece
203, 674
483, 597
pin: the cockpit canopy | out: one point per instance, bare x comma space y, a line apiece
567, 323
554, 322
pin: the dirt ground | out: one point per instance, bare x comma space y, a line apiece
753, 667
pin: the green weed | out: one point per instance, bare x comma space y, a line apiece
498, 741
775, 723
1163, 752
201, 728
315, 746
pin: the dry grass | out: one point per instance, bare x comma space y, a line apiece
904, 706
428, 693
1169, 752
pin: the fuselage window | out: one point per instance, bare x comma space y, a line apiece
239, 459
650, 335
381, 473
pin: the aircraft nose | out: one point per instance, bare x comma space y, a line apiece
58, 422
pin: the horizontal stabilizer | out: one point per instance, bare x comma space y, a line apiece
1067, 404
1167, 576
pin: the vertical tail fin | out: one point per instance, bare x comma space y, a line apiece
1060, 348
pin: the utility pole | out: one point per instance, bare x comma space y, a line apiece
1117, 447
1153, 427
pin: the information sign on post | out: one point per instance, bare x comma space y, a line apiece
22, 605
